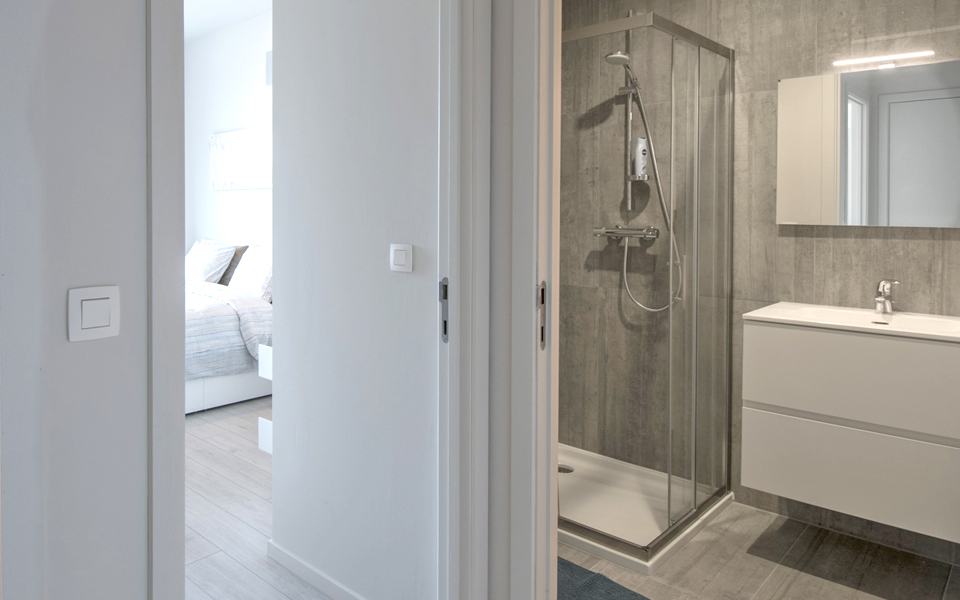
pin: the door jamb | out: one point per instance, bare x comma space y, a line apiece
534, 505
165, 311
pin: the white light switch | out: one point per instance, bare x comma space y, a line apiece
93, 313
401, 257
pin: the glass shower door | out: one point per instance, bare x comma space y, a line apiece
683, 313
713, 279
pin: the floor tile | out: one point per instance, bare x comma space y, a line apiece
830, 565
953, 586
733, 555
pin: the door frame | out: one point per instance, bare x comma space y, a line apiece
533, 127
165, 310
464, 176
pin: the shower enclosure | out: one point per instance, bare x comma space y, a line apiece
645, 271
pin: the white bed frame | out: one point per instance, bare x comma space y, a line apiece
210, 392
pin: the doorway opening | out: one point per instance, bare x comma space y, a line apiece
228, 225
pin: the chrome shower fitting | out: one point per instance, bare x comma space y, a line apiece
633, 90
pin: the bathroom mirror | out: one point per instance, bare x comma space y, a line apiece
878, 147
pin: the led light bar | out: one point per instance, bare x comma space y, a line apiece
871, 59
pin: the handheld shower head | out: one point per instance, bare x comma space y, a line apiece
617, 58
623, 60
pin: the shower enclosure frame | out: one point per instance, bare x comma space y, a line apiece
678, 32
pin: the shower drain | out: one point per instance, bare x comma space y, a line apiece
565, 469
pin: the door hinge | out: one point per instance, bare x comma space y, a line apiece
445, 309
542, 308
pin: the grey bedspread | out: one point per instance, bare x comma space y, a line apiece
224, 330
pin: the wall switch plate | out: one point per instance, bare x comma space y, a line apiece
93, 313
401, 258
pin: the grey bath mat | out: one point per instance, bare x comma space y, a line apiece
576, 583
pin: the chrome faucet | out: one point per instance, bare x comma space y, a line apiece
884, 300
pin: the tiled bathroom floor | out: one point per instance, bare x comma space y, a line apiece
749, 554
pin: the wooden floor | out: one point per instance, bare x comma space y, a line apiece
229, 514
749, 554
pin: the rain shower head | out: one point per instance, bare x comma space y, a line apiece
618, 58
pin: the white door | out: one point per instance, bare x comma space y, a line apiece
357, 342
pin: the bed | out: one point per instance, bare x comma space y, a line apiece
225, 327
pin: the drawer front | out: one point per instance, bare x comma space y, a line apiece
901, 383
906, 483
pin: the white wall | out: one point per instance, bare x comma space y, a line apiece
72, 213
355, 391
225, 90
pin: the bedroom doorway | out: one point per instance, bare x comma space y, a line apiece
228, 272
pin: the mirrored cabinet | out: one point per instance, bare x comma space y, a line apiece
878, 147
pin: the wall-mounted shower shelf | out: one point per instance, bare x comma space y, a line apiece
638, 177
645, 233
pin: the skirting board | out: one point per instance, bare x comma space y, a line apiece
635, 564
318, 579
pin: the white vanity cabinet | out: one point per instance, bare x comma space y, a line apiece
858, 417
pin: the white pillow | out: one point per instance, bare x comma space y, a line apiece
207, 261
254, 274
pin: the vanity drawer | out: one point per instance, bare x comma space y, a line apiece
905, 483
900, 383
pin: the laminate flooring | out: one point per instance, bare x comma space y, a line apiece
229, 515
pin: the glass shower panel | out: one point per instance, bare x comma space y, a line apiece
715, 116
683, 314
643, 377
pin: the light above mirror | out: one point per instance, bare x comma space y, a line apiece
881, 59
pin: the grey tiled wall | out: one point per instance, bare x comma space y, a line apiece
777, 39
613, 355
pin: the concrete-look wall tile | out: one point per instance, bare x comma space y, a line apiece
851, 260
580, 328
774, 39
701, 16
754, 210
578, 203
853, 28
951, 272
796, 252
635, 396
618, 9
579, 13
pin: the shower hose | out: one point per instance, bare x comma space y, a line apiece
626, 283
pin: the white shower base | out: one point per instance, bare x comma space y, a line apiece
623, 501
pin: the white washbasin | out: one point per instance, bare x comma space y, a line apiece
860, 319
